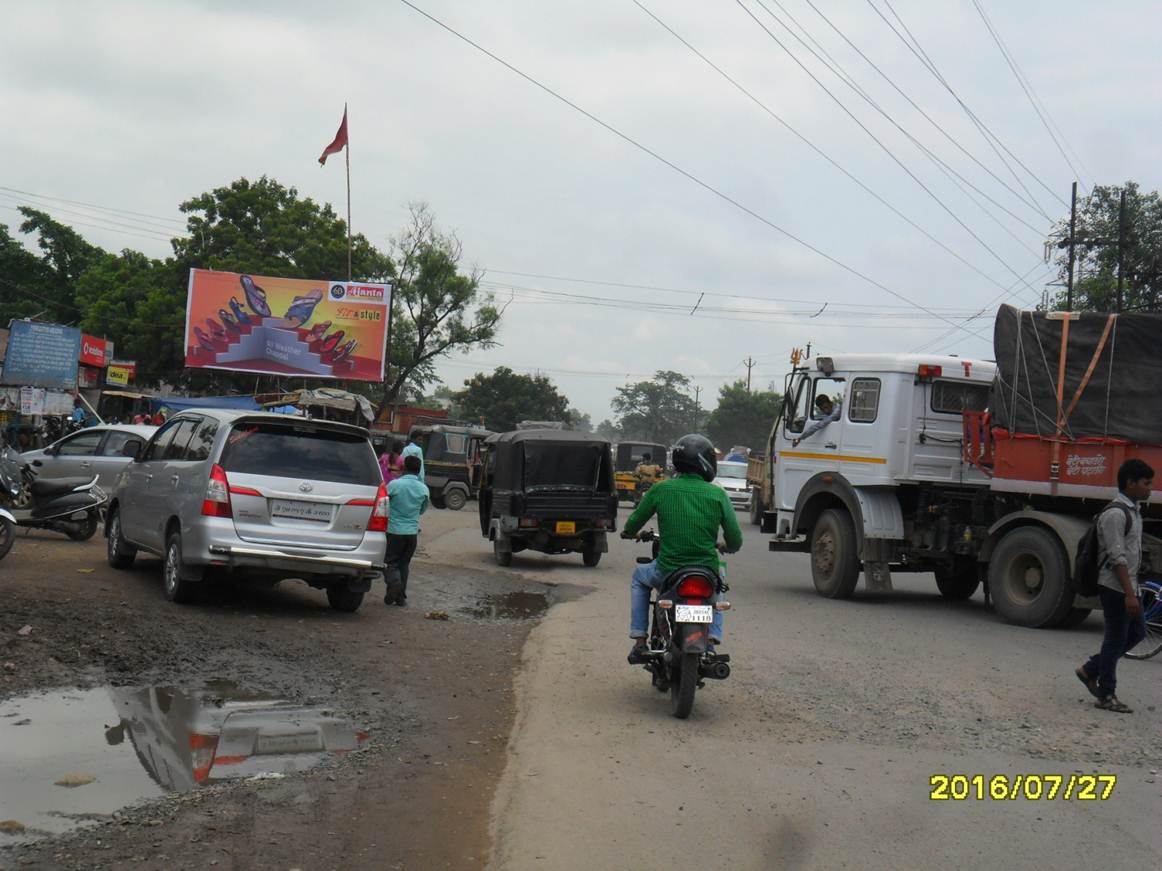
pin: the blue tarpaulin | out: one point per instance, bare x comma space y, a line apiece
175, 404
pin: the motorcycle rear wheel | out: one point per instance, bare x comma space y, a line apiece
683, 683
83, 530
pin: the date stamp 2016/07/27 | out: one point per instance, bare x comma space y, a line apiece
1032, 787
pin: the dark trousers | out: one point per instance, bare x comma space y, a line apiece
398, 560
1122, 632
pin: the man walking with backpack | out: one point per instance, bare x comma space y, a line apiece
1119, 538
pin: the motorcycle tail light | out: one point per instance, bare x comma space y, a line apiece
665, 604
696, 587
217, 500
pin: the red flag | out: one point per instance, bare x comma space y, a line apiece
338, 143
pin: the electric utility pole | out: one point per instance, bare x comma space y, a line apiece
1072, 234
749, 363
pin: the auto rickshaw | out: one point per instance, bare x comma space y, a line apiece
451, 461
547, 490
629, 457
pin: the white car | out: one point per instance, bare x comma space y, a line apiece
732, 479
96, 450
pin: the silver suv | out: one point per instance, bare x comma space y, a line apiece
267, 495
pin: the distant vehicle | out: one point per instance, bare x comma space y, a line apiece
98, 450
547, 490
732, 478
627, 457
451, 461
265, 495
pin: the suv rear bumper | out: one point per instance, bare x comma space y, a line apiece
249, 555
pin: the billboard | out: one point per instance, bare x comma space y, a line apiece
42, 355
121, 372
286, 326
95, 352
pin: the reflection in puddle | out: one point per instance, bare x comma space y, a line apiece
509, 606
142, 742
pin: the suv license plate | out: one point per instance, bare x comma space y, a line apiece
297, 510
693, 614
566, 527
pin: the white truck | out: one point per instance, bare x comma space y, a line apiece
897, 482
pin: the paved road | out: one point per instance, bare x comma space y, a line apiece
817, 752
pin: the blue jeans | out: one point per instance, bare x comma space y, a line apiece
645, 578
1122, 632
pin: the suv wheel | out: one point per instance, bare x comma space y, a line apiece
343, 599
119, 554
177, 587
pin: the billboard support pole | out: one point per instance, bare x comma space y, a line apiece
347, 151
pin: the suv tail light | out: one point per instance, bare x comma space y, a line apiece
202, 749
378, 520
696, 587
217, 500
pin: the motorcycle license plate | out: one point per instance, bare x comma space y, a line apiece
693, 613
566, 527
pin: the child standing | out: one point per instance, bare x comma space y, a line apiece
408, 498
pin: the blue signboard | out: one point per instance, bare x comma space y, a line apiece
42, 355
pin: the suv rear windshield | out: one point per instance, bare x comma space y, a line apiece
283, 451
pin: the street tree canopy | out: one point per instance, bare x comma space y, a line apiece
660, 410
742, 417
505, 398
1096, 265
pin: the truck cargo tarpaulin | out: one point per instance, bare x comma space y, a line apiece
1112, 384
286, 326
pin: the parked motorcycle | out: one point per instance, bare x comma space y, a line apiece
678, 654
72, 506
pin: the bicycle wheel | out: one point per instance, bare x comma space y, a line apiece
1151, 645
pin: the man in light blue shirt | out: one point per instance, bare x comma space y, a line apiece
408, 498
414, 450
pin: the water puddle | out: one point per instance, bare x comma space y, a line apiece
509, 606
73, 757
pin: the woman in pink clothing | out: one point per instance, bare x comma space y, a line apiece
391, 462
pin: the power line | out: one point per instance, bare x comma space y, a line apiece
98, 227
673, 166
815, 147
918, 52
95, 206
942, 165
1029, 199
876, 139
1027, 87
108, 222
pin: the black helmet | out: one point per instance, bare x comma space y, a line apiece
694, 453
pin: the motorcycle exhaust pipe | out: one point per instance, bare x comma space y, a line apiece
715, 670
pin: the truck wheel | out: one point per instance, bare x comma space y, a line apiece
958, 581
1029, 578
454, 500
503, 557
834, 561
756, 508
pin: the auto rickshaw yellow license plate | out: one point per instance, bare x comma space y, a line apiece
566, 527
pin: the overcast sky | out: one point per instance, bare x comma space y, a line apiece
139, 104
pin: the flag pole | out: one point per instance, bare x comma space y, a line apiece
348, 152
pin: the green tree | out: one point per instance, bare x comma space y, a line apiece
1096, 265
658, 411
607, 430
742, 417
505, 398
43, 286
436, 309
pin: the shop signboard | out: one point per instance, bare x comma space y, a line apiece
42, 355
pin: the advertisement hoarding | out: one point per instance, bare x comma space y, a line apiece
42, 355
95, 352
286, 326
121, 373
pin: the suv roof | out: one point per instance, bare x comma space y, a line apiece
227, 415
